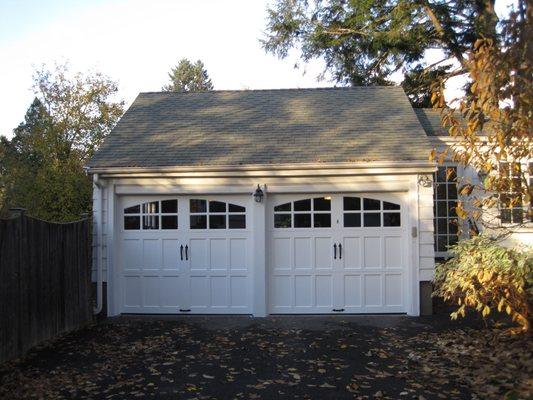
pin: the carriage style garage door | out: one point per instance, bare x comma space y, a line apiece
337, 253
185, 254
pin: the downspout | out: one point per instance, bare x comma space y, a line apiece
100, 246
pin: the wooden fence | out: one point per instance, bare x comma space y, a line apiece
45, 283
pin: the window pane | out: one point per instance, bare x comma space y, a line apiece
371, 204
451, 174
236, 208
352, 220
198, 222
442, 225
282, 220
372, 219
302, 220
302, 205
217, 206
453, 227
322, 220
197, 206
169, 222
391, 219
352, 203
517, 214
452, 212
151, 222
217, 222
133, 210
321, 204
441, 191
442, 242
390, 206
283, 207
151, 208
452, 191
442, 207
441, 174
237, 221
132, 223
169, 206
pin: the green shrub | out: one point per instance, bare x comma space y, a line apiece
485, 276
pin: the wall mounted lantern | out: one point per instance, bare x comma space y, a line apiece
258, 194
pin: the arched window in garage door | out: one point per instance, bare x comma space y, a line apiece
160, 214
366, 212
304, 213
213, 214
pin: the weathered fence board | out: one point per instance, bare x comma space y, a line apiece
44, 281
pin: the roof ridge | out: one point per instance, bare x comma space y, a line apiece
347, 88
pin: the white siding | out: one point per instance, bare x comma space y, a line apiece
426, 239
97, 203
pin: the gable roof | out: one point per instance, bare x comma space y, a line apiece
252, 127
430, 120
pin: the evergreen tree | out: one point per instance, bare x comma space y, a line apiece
188, 77
364, 42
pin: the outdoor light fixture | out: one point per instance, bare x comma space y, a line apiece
425, 180
258, 194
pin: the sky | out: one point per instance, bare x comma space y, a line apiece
136, 42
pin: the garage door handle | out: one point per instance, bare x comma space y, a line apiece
340, 251
186, 252
181, 252
338, 310
335, 251
181, 310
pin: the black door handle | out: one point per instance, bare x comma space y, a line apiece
186, 252
335, 251
338, 310
181, 252
340, 251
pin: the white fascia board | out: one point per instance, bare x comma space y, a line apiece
323, 169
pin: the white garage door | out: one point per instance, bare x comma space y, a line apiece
185, 255
337, 253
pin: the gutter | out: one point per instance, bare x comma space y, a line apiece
259, 169
100, 246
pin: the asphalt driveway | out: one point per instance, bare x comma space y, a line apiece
191, 357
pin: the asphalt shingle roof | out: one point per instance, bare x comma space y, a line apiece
430, 120
264, 127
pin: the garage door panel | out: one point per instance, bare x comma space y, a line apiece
372, 252
152, 259
171, 254
218, 254
281, 293
352, 290
172, 289
199, 255
323, 253
351, 253
281, 253
238, 254
303, 291
324, 291
373, 290
239, 292
151, 292
393, 248
302, 253
219, 291
132, 255
132, 291
393, 290
200, 291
